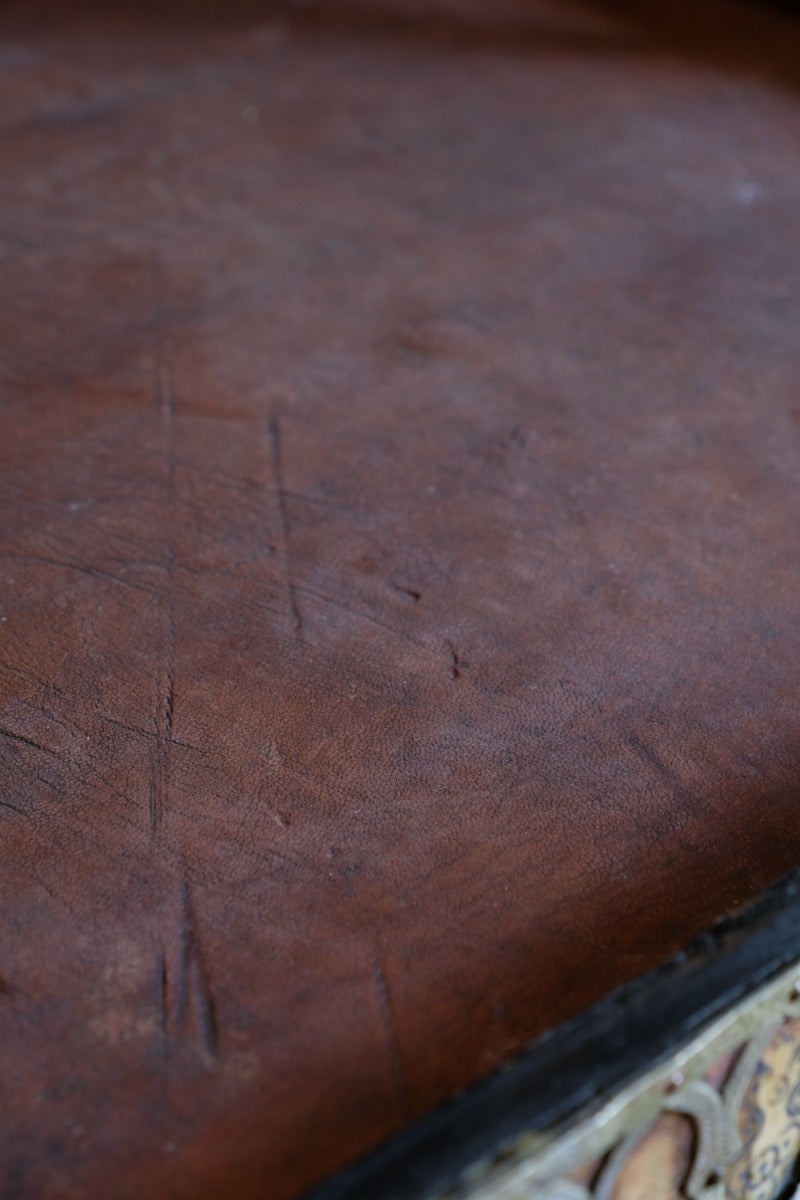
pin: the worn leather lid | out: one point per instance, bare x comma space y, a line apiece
399, 614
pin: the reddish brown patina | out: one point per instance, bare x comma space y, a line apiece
399, 622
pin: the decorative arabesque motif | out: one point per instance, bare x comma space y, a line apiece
722, 1124
746, 1134
768, 1164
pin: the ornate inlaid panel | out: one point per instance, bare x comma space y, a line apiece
719, 1121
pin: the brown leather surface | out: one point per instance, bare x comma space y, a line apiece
399, 624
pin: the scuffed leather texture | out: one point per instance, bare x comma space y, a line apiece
399, 623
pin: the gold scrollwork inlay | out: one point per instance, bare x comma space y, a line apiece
719, 1121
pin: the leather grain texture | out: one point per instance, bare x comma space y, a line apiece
399, 610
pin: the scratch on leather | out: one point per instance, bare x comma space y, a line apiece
385, 1007
183, 997
277, 476
160, 753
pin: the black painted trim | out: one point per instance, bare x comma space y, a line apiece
588, 1057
